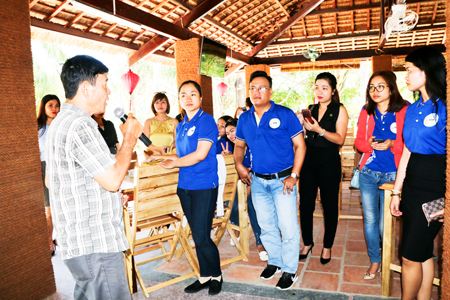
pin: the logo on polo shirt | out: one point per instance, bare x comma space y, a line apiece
191, 131
275, 123
431, 120
394, 127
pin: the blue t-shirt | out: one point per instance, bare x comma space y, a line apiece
223, 141
270, 143
247, 162
424, 130
202, 175
385, 128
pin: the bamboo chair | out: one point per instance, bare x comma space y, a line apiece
156, 207
222, 224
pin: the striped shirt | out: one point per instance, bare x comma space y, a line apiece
87, 218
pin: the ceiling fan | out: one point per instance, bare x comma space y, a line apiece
400, 19
311, 53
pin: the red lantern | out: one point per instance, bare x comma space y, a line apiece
222, 88
130, 80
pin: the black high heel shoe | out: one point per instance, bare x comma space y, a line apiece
324, 261
304, 256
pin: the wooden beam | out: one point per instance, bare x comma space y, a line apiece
215, 23
128, 12
368, 20
382, 37
349, 36
124, 33
109, 29
233, 69
74, 20
340, 55
200, 11
148, 48
305, 33
282, 7
359, 7
32, 3
140, 34
353, 21
434, 13
89, 36
320, 25
336, 30
288, 24
96, 22
56, 11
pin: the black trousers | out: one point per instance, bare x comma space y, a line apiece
322, 168
199, 207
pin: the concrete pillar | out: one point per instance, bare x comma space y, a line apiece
187, 60
249, 70
25, 260
381, 62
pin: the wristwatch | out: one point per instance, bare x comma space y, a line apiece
294, 175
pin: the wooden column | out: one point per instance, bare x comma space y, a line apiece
445, 292
381, 62
249, 70
25, 260
187, 59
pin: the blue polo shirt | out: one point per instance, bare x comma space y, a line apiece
247, 162
202, 175
224, 141
424, 129
385, 128
270, 142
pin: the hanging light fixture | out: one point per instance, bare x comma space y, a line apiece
222, 88
130, 80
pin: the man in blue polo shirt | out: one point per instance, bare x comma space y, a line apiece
275, 138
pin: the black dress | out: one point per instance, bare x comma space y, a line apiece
321, 168
110, 136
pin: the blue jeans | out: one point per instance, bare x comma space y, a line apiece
373, 205
234, 217
277, 213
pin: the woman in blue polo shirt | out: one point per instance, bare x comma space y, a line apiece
422, 169
197, 189
380, 139
223, 143
322, 166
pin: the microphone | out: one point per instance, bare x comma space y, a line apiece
119, 113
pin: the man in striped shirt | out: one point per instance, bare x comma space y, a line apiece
83, 179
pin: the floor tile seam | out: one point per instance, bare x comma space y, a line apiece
344, 251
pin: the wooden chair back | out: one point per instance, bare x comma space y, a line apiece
156, 209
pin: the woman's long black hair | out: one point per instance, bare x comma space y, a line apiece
396, 101
42, 116
432, 62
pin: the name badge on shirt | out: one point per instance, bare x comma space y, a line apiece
394, 127
431, 120
275, 123
191, 131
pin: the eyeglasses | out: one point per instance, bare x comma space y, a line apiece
378, 88
260, 89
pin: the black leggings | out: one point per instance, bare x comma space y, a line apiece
199, 207
322, 168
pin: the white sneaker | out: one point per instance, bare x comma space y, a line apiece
263, 256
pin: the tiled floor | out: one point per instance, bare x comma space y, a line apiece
342, 278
